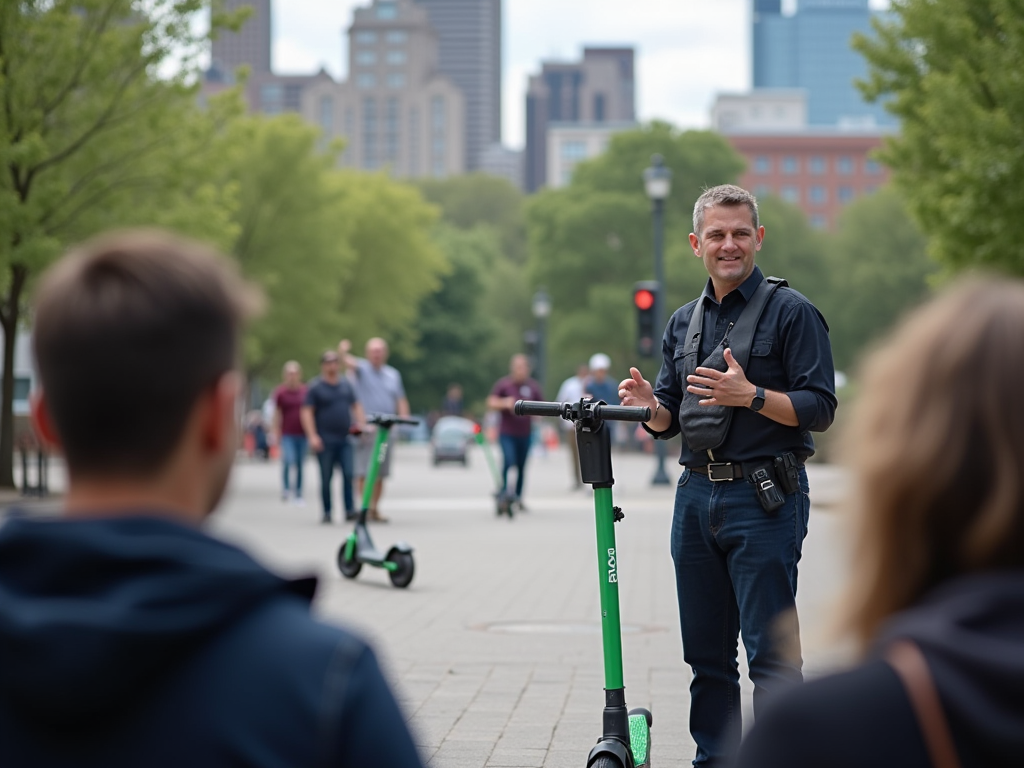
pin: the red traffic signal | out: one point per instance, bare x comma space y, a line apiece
643, 298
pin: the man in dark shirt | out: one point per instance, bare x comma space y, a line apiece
330, 411
128, 635
736, 564
514, 431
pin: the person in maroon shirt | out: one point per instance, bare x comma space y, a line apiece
288, 432
514, 432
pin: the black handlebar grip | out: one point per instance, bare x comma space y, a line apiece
382, 418
623, 412
538, 408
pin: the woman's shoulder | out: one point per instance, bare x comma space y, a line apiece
854, 718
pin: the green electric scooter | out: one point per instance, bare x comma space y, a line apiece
358, 549
626, 741
503, 499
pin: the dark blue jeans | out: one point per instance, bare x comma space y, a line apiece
293, 454
514, 450
336, 452
736, 570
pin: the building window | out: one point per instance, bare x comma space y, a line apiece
397, 36
818, 221
845, 194
762, 164
387, 10
790, 165
574, 150
437, 125
761, 190
414, 141
396, 80
396, 57
816, 165
598, 107
366, 80
272, 98
366, 58
327, 115
791, 193
817, 195
369, 133
391, 131
366, 37
872, 167
844, 165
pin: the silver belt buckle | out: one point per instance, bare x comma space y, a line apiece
713, 467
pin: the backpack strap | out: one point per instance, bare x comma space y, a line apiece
741, 337
912, 669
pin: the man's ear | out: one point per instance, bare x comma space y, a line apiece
41, 421
219, 412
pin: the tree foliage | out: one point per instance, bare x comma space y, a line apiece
590, 241
953, 71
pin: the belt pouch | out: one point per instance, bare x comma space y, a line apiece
767, 491
787, 472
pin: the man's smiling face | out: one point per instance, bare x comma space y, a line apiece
727, 245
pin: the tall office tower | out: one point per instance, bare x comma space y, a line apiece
595, 91
469, 54
396, 110
249, 46
811, 50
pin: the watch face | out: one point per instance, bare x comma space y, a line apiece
758, 402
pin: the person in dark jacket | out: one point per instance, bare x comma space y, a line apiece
937, 451
128, 636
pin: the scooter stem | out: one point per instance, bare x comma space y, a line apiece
608, 574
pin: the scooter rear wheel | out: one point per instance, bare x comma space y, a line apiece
402, 576
349, 568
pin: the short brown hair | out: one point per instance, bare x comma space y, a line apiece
937, 450
723, 194
129, 329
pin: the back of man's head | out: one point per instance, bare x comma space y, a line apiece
129, 330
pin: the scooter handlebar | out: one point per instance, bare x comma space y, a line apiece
601, 410
389, 419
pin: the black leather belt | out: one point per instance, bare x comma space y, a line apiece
722, 471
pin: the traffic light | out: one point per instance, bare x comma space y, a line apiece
645, 299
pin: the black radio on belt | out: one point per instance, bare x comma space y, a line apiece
787, 472
768, 493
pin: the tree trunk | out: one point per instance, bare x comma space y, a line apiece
9, 321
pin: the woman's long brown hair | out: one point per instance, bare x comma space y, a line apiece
937, 450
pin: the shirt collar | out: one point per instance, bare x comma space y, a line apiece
746, 289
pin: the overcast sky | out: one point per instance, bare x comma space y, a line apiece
687, 50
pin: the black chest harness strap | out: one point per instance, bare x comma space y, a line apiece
705, 426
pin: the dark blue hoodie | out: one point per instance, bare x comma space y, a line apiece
141, 642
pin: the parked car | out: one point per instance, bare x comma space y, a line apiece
450, 440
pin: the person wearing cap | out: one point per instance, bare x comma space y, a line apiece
329, 412
571, 391
598, 385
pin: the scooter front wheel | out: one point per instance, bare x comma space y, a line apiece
606, 761
349, 568
402, 575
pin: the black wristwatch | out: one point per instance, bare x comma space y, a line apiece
758, 402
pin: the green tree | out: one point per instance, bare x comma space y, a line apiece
87, 131
880, 269
952, 69
590, 241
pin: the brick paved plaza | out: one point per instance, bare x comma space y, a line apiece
495, 648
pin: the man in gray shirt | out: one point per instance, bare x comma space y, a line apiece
380, 390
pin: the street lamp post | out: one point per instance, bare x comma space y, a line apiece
658, 184
541, 310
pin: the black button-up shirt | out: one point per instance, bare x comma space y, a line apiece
790, 354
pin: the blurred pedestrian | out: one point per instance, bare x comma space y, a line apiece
936, 447
514, 432
597, 384
130, 636
571, 391
741, 508
452, 404
381, 392
288, 433
329, 413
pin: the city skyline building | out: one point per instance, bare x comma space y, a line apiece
811, 50
600, 88
249, 46
469, 34
396, 110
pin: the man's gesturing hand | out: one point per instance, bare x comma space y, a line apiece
729, 387
637, 391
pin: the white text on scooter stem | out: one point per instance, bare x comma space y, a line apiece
613, 576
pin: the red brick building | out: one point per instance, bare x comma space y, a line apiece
819, 170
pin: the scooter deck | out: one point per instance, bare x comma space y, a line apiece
640, 740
